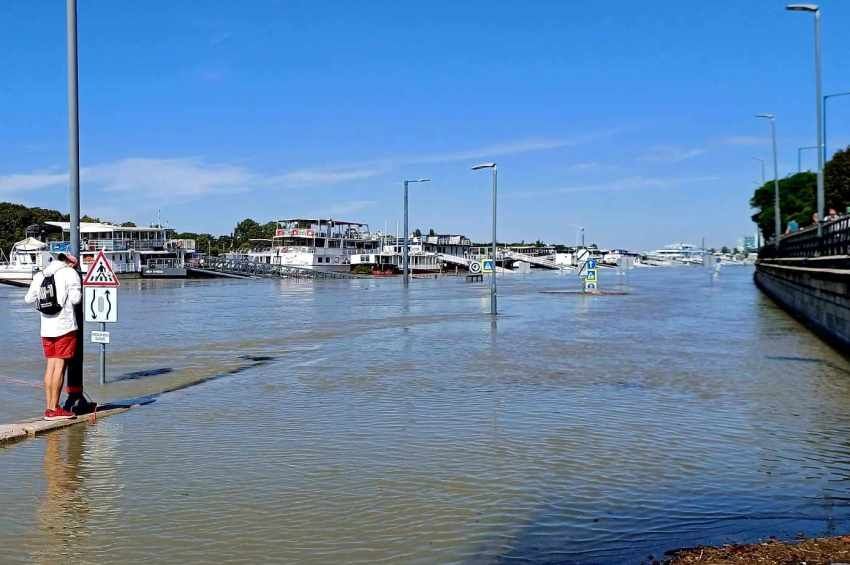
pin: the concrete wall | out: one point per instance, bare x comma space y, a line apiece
817, 295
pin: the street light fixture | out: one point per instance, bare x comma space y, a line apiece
406, 249
800, 156
494, 173
762, 169
825, 98
777, 221
815, 10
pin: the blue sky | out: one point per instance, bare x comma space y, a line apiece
631, 119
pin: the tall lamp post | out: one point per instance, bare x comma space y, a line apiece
75, 401
825, 98
762, 169
800, 156
494, 173
406, 249
813, 9
777, 221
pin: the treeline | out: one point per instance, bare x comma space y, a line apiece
798, 195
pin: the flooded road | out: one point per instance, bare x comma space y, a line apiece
356, 422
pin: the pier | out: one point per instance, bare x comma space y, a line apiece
245, 268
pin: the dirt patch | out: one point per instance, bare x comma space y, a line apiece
772, 552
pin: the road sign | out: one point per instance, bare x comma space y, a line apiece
589, 286
591, 263
590, 276
100, 337
582, 255
475, 267
488, 266
101, 304
100, 273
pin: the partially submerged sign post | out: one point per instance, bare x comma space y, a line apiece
587, 270
101, 303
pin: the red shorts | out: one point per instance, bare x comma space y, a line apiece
62, 347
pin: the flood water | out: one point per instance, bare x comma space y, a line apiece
356, 422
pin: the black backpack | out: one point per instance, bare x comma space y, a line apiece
48, 299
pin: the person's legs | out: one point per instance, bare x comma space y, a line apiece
48, 390
53, 381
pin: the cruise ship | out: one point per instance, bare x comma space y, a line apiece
676, 253
132, 251
309, 243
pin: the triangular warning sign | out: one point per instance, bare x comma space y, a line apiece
100, 273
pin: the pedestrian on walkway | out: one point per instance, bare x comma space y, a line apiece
55, 291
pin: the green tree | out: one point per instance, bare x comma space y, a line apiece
417, 233
128, 225
797, 200
836, 181
15, 218
247, 230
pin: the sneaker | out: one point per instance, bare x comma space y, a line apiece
58, 414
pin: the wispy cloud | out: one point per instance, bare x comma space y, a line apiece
748, 140
22, 182
632, 183
670, 154
182, 178
313, 177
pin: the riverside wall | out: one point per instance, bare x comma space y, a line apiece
816, 291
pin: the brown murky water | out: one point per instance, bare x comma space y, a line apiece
356, 422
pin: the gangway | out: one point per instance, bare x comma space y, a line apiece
544, 262
465, 261
243, 267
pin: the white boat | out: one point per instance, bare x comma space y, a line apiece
675, 254
131, 250
325, 245
26, 258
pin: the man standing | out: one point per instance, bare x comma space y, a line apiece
55, 291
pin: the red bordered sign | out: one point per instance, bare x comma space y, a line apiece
100, 273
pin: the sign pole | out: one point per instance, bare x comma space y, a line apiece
103, 357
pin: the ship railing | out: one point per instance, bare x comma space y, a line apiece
256, 268
834, 240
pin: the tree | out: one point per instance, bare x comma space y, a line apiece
15, 218
247, 230
836, 181
128, 225
724, 250
417, 233
797, 200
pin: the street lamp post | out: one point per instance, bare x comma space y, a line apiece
825, 98
777, 221
762, 169
494, 173
800, 156
406, 248
813, 9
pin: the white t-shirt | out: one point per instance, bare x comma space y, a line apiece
68, 292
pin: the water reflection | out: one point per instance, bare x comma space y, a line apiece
63, 509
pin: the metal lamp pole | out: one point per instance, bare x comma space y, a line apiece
762, 169
825, 98
800, 156
75, 401
494, 173
813, 9
777, 220
406, 249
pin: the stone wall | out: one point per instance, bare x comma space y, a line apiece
815, 292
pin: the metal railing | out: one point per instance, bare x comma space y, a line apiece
835, 240
256, 269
